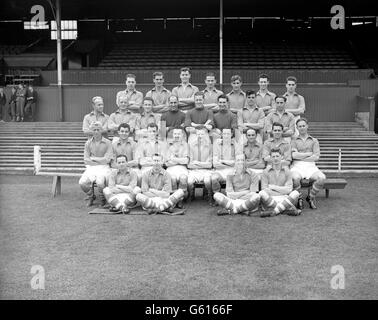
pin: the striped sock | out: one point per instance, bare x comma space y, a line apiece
223, 201
267, 200
248, 205
145, 201
172, 200
114, 202
316, 187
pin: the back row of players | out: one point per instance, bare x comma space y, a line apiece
224, 145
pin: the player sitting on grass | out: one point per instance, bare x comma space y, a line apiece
277, 193
178, 159
97, 156
122, 186
156, 189
241, 188
305, 152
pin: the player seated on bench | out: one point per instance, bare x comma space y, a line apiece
223, 161
305, 152
277, 195
177, 161
156, 189
122, 187
97, 156
200, 162
241, 188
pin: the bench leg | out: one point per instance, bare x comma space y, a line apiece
57, 186
327, 193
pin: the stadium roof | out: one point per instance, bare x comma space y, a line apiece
116, 9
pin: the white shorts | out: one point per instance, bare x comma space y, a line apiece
305, 169
199, 175
94, 172
225, 172
176, 171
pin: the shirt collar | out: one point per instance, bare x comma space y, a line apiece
151, 114
267, 93
129, 140
213, 90
286, 94
119, 111
254, 144
276, 112
102, 139
308, 137
240, 92
127, 171
163, 89
251, 108
187, 85
161, 171
93, 113
283, 141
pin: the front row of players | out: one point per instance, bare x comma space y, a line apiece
139, 177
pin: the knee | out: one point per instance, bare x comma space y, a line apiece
84, 182
107, 191
137, 190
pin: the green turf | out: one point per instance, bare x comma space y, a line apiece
195, 256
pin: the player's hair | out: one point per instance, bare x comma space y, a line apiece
249, 92
131, 75
148, 99
173, 95
157, 74
236, 77
121, 156
199, 93
124, 125
152, 125
301, 119
185, 69
280, 97
251, 129
263, 76
210, 74
277, 124
273, 150
291, 78
96, 98
223, 96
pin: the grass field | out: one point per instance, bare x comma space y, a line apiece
195, 256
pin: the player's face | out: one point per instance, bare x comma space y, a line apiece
177, 135
277, 132
302, 127
130, 83
147, 106
263, 83
98, 105
210, 81
251, 100
151, 131
236, 85
291, 86
121, 163
276, 157
239, 166
157, 162
280, 104
159, 81
123, 103
226, 134
96, 132
185, 76
198, 100
251, 135
223, 104
124, 133
173, 104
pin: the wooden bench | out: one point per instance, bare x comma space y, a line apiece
329, 183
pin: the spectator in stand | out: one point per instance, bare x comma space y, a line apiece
159, 93
3, 101
31, 100
12, 106
20, 101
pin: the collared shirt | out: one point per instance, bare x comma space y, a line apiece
175, 119
294, 101
225, 120
251, 115
287, 119
116, 118
100, 149
146, 148
200, 151
159, 97
265, 100
128, 178
91, 117
281, 178
134, 95
237, 100
253, 152
178, 150
144, 119
223, 151
198, 116
156, 180
309, 144
185, 92
128, 149
33, 95
248, 181
211, 96
283, 145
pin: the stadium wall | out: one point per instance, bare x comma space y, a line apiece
101, 76
324, 103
